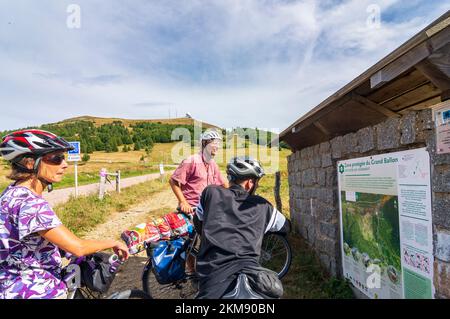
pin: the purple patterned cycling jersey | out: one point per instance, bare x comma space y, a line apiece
30, 266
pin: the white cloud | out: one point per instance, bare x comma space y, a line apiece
229, 62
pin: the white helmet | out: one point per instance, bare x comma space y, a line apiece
210, 135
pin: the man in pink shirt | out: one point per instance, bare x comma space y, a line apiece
196, 172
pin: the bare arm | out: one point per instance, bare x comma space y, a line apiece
67, 241
182, 202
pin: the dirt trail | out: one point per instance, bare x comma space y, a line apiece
129, 275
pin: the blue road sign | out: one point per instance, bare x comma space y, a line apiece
76, 150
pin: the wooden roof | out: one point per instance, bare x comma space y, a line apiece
412, 77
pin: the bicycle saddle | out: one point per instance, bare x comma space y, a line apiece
242, 290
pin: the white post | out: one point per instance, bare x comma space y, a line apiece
76, 179
161, 171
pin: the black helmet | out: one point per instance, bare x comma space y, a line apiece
244, 167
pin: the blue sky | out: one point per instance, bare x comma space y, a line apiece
228, 62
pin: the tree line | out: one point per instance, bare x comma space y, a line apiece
139, 136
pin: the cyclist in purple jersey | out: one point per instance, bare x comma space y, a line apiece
30, 232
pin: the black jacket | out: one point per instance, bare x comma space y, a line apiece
233, 226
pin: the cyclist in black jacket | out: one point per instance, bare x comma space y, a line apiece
232, 223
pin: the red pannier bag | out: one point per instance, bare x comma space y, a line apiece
152, 233
163, 227
177, 223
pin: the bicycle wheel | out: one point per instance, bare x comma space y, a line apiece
181, 289
276, 254
130, 294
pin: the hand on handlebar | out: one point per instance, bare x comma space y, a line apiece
186, 208
121, 250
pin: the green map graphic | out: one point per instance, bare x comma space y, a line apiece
371, 224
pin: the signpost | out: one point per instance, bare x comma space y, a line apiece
75, 156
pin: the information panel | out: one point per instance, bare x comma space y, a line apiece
386, 227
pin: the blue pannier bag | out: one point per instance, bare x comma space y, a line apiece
168, 259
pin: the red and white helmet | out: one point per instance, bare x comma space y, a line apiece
33, 142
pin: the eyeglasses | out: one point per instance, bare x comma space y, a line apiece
55, 159
215, 143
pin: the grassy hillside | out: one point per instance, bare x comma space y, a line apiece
99, 121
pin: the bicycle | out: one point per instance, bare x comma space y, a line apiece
276, 254
77, 288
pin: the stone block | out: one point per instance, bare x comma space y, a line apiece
325, 147
366, 139
441, 210
408, 128
325, 261
425, 120
316, 160
441, 178
305, 206
442, 278
325, 213
336, 147
388, 134
350, 144
328, 230
327, 246
327, 195
321, 177
331, 177
326, 159
309, 177
442, 245
436, 159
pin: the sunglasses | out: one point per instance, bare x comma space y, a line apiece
54, 159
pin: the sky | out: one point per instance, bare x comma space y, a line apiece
231, 63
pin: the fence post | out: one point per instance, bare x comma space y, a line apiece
118, 181
277, 191
161, 172
102, 183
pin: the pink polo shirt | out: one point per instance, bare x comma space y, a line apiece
194, 174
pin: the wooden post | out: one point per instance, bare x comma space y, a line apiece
102, 187
277, 191
118, 181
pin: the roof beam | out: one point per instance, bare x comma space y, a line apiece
399, 66
374, 106
411, 58
434, 74
305, 122
322, 128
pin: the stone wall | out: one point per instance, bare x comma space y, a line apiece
314, 190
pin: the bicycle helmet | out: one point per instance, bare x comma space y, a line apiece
210, 135
244, 168
31, 143
36, 143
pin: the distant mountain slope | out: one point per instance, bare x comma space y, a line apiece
99, 121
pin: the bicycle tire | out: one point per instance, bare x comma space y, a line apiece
276, 242
182, 289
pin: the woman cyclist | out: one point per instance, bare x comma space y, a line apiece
30, 232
